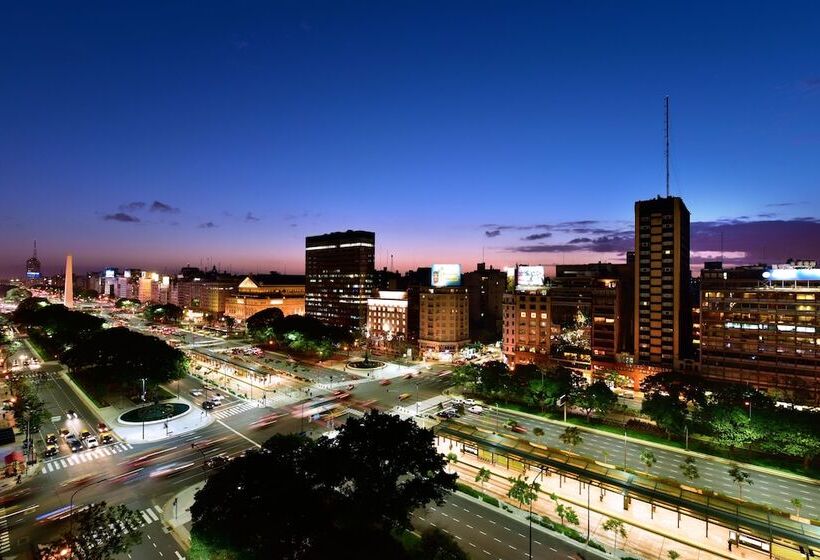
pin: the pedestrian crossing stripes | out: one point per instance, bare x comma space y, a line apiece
85, 457
234, 410
5, 542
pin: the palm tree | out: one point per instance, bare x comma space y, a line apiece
648, 458
617, 528
797, 503
740, 478
483, 476
538, 432
673, 554
571, 437
452, 458
689, 469
522, 491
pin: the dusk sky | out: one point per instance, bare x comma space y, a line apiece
155, 134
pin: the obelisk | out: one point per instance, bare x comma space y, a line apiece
68, 299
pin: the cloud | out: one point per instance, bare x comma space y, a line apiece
132, 206
810, 84
208, 225
158, 206
781, 204
537, 236
604, 244
121, 217
766, 215
492, 233
249, 217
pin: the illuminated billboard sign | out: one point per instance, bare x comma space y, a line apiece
530, 277
445, 275
792, 274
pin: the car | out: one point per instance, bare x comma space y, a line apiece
476, 409
85, 434
51, 450
106, 438
448, 413
51, 439
196, 392
217, 398
208, 405
70, 414
91, 442
171, 469
384, 382
470, 402
458, 400
102, 427
518, 428
73, 443
216, 462
404, 396
64, 433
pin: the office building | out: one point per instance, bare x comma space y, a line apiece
663, 316
760, 326
264, 291
33, 270
486, 287
527, 327
339, 277
444, 319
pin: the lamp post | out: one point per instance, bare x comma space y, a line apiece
749, 404
417, 400
624, 445
541, 473
71, 504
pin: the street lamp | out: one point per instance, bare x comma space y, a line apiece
541, 473
749, 404
71, 504
624, 445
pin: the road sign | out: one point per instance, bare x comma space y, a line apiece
56, 418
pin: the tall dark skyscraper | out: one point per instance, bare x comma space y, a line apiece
33, 271
663, 322
339, 277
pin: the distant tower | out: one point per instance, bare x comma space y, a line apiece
69, 282
33, 267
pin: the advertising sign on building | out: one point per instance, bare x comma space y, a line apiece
530, 277
445, 275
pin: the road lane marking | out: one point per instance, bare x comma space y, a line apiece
238, 433
159, 509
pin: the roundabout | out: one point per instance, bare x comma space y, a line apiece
157, 412
366, 364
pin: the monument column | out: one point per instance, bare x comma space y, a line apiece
68, 299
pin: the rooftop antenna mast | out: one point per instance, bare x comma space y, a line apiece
666, 136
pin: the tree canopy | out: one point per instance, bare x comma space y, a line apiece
163, 313
297, 333
597, 398
353, 489
24, 313
106, 524
126, 355
16, 294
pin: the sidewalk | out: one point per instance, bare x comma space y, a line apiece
177, 514
194, 419
656, 445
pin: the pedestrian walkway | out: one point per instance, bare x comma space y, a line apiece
234, 410
53, 465
177, 512
5, 542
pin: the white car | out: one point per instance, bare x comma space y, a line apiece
91, 442
475, 409
196, 392
470, 402
217, 398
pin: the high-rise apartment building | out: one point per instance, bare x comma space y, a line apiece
761, 326
444, 319
527, 327
486, 287
663, 316
33, 271
387, 319
339, 277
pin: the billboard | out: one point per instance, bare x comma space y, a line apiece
530, 277
445, 275
792, 274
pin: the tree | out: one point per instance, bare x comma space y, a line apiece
26, 309
86, 294
667, 411
740, 478
538, 432
483, 476
163, 313
452, 459
230, 322
689, 469
435, 544
100, 532
596, 397
566, 513
127, 303
797, 503
648, 459
672, 554
16, 295
357, 487
28, 405
571, 436
522, 491
616, 526
260, 324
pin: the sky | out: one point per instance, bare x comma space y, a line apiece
155, 134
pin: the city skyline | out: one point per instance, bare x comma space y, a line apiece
230, 140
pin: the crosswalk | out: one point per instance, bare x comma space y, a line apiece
234, 410
151, 514
5, 543
85, 457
